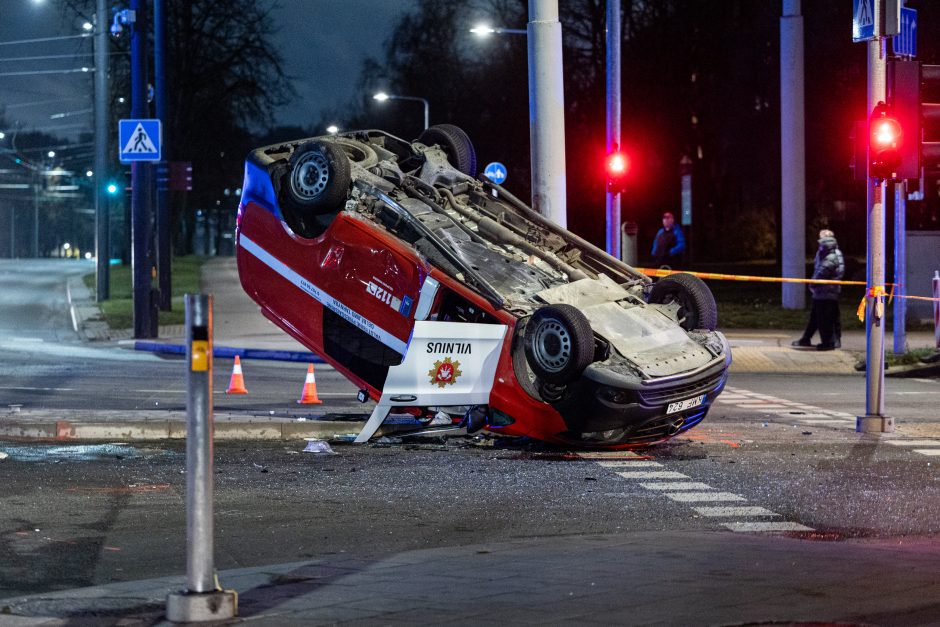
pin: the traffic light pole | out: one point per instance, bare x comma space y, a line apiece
874, 420
613, 120
900, 267
792, 156
164, 248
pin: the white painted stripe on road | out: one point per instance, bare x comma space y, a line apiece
753, 406
725, 512
704, 497
842, 414
828, 421
751, 527
802, 414
676, 485
913, 442
663, 474
607, 454
931, 452
325, 299
638, 463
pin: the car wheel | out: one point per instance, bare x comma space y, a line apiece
697, 308
455, 144
559, 343
318, 178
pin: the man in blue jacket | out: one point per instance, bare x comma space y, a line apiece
669, 244
824, 317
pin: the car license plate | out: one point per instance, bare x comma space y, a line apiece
689, 403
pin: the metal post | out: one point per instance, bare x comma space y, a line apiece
547, 111
613, 119
874, 419
427, 113
102, 204
900, 267
201, 601
164, 248
36, 221
141, 181
792, 156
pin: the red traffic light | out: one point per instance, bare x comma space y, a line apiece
885, 140
618, 165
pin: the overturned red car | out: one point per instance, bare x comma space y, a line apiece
345, 241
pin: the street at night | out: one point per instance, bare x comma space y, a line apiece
476, 313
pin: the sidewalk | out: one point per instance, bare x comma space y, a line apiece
678, 578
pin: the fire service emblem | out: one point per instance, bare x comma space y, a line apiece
444, 372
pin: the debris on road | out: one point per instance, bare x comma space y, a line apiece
320, 447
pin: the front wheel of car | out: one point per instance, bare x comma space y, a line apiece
559, 343
318, 178
697, 307
456, 145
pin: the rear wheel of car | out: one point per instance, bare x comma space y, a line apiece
559, 343
318, 178
456, 145
697, 308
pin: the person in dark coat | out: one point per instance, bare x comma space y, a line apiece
669, 245
824, 317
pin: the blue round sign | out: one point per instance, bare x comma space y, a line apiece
495, 172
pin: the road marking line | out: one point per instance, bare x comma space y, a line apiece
745, 406
932, 452
663, 474
842, 414
676, 485
629, 463
747, 510
828, 421
607, 454
913, 442
790, 414
704, 497
744, 527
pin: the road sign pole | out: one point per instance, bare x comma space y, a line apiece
792, 159
900, 267
141, 181
874, 420
613, 120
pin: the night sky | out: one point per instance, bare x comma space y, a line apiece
322, 42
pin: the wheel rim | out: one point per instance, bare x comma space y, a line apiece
311, 175
551, 346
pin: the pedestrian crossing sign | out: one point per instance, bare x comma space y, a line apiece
139, 140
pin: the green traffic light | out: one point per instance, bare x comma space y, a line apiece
112, 189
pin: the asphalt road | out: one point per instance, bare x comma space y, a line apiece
34, 300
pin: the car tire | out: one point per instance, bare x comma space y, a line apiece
559, 343
318, 178
456, 145
697, 307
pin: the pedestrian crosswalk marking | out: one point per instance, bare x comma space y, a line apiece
664, 474
742, 510
766, 526
629, 463
704, 497
676, 485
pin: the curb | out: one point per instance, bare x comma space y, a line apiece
231, 352
65, 430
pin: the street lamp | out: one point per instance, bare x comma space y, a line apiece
332, 129
382, 97
485, 30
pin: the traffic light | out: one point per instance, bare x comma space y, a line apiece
911, 83
112, 189
618, 165
885, 140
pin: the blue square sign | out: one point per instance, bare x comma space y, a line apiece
863, 20
139, 140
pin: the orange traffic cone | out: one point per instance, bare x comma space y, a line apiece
236, 384
309, 395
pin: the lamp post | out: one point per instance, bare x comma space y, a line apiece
484, 30
382, 97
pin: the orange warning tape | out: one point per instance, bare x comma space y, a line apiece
743, 277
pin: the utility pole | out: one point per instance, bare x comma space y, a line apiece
36, 190
102, 208
874, 420
613, 120
547, 111
900, 266
141, 185
792, 156
164, 248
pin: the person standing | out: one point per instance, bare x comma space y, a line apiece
824, 316
669, 245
